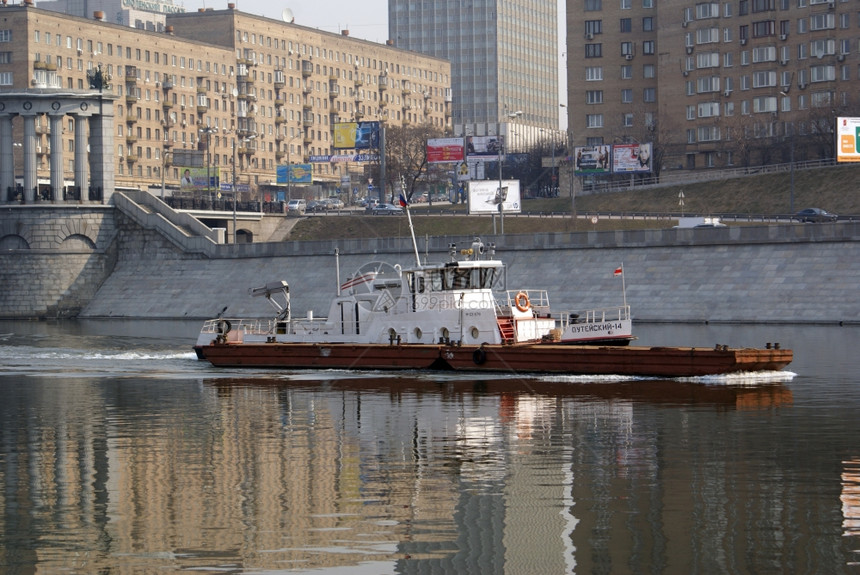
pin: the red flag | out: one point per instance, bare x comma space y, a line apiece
619, 271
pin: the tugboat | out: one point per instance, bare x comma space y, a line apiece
457, 315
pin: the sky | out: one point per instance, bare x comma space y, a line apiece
367, 20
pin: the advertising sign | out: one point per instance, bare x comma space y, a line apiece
196, 178
444, 150
631, 158
592, 160
485, 196
295, 174
484, 147
356, 135
848, 139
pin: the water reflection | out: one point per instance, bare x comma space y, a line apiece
149, 461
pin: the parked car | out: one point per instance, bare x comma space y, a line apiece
335, 204
317, 206
387, 209
296, 207
815, 215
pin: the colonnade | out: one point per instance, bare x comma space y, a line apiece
93, 148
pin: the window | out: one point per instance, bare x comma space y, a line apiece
593, 50
626, 4
764, 28
707, 10
822, 73
707, 60
627, 48
708, 133
727, 10
626, 25
5, 78
627, 120
819, 48
627, 96
647, 3
764, 104
626, 72
709, 109
648, 24
728, 60
594, 97
764, 79
593, 27
802, 26
764, 54
594, 120
708, 84
763, 5
707, 35
648, 47
825, 21
649, 95
5, 35
691, 112
593, 5
593, 73
648, 70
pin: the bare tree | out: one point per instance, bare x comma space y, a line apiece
406, 156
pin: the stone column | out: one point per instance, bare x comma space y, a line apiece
102, 148
7, 159
81, 176
30, 179
57, 179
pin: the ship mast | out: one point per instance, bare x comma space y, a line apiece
405, 205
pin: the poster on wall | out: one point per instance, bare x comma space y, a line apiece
294, 174
196, 178
486, 195
631, 158
444, 150
592, 160
480, 148
356, 135
848, 139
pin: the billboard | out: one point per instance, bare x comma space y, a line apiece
484, 147
485, 196
445, 150
592, 159
294, 174
356, 135
196, 178
848, 139
631, 158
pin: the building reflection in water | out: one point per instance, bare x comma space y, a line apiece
401, 475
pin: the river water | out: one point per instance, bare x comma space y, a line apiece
121, 453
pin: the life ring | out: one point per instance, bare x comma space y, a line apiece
522, 301
479, 356
224, 326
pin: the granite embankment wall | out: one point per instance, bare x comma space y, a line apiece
107, 262
775, 273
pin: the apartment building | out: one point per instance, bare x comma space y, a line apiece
220, 83
713, 84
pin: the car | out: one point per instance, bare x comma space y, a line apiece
815, 215
335, 204
317, 206
296, 207
387, 209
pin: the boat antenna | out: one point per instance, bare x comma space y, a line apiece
405, 205
337, 269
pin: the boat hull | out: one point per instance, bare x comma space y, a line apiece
518, 358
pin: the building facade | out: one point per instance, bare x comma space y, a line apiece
504, 60
241, 93
713, 84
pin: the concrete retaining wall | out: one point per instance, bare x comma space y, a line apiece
775, 273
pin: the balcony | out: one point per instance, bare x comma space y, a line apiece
202, 109
308, 140
383, 83
166, 105
307, 68
280, 80
130, 140
307, 122
280, 100
280, 120
279, 155
333, 90
358, 81
131, 158
132, 97
131, 119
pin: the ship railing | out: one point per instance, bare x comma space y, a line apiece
619, 313
538, 301
225, 325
